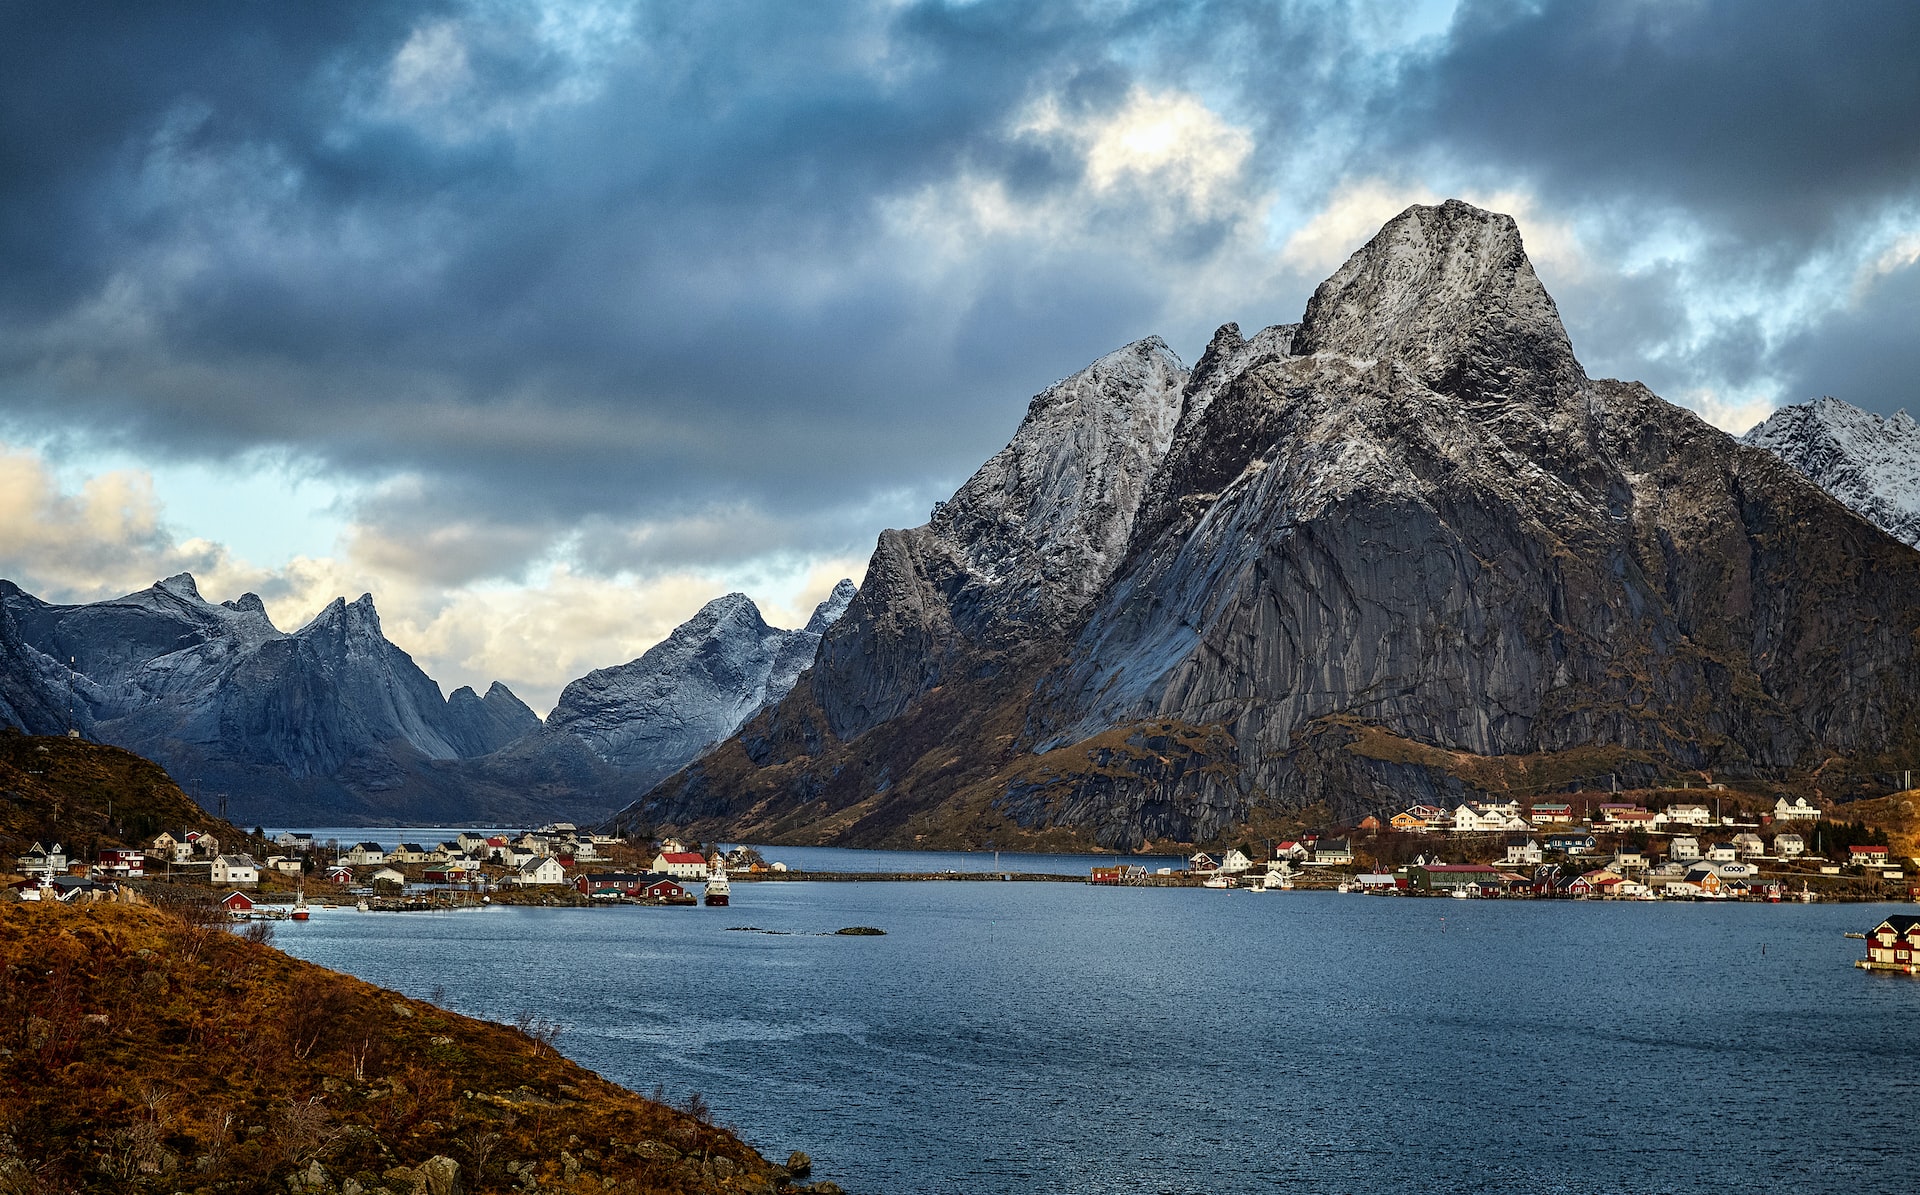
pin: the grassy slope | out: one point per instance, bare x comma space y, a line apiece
88, 796
150, 1049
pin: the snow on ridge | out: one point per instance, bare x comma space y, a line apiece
1868, 463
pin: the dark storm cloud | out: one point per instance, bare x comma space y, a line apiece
670, 285
1770, 120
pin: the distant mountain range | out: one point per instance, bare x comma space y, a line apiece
333, 722
1402, 550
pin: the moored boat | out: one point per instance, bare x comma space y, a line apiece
718, 889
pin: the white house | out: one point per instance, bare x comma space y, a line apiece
1234, 863
1526, 850
284, 864
472, 843
1684, 848
1722, 852
542, 869
390, 875
235, 871
365, 854
1467, 819
1789, 846
408, 852
1749, 845
1799, 811
691, 865
1334, 851
43, 861
1688, 815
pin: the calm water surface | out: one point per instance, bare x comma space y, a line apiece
1057, 1037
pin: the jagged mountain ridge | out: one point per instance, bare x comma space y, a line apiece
1871, 464
332, 717
1403, 549
334, 723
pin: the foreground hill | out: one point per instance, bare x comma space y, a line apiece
1402, 550
151, 1050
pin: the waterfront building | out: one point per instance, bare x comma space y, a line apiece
1894, 943
692, 865
1789, 846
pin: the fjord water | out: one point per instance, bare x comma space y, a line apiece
1058, 1037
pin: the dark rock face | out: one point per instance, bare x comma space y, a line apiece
1404, 547
483, 725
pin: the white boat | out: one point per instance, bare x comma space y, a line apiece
1279, 879
1216, 880
718, 889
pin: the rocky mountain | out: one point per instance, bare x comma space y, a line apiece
1404, 549
652, 716
482, 725
1871, 464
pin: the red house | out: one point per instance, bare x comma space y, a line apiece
130, 862
237, 902
663, 888
1894, 944
1867, 854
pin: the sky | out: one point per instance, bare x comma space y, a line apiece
546, 323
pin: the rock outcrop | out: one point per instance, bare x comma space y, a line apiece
1404, 549
1872, 465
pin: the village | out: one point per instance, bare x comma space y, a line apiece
555, 864
1596, 850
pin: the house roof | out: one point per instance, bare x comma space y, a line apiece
1868, 850
1900, 923
684, 857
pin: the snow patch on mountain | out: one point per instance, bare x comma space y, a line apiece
1870, 464
693, 688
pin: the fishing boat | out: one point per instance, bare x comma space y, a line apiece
718, 889
1217, 880
300, 910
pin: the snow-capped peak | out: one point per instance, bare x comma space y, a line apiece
1870, 464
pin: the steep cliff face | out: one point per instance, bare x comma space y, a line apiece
1018, 551
1872, 465
1404, 548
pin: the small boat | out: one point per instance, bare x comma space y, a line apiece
300, 910
718, 889
1216, 880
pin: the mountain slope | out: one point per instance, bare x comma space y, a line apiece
1403, 549
1872, 465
